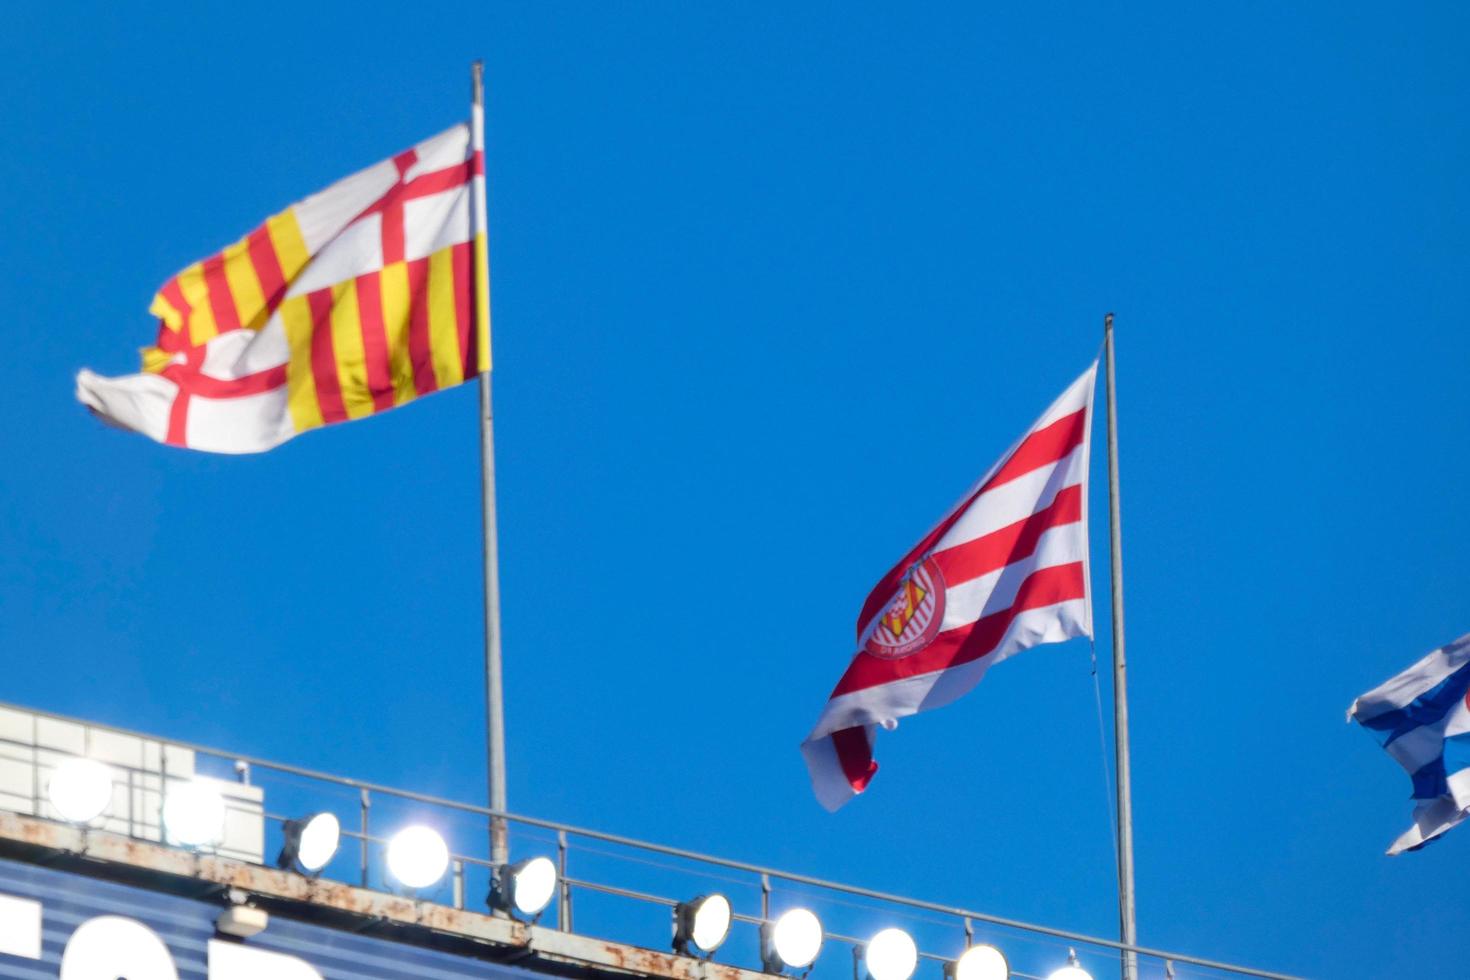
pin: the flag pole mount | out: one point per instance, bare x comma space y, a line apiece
494, 692
1128, 928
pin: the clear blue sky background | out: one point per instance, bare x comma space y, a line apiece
772, 285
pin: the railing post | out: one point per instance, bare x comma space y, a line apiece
35, 766
765, 898
366, 804
564, 908
459, 884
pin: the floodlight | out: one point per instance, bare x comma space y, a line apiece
981, 963
1069, 973
310, 843
193, 814
526, 887
80, 790
705, 922
1072, 971
793, 941
417, 856
891, 955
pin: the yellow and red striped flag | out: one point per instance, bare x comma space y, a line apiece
357, 299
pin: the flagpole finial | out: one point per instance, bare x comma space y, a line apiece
1107, 321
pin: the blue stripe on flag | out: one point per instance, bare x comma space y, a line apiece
1427, 708
1430, 782
1456, 753
1432, 779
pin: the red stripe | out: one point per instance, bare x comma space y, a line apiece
424, 185
464, 289
267, 267
221, 300
374, 340
169, 340
393, 216
324, 357
1044, 587
178, 419
392, 233
855, 754
190, 381
440, 180
1011, 543
1046, 445
420, 354
178, 411
1040, 448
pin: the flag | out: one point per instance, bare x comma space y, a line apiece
1422, 719
1005, 570
357, 299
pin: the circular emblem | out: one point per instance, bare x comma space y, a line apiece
911, 619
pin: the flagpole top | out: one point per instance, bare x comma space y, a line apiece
1107, 321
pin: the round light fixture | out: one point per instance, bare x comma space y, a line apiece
417, 856
891, 955
705, 922
193, 814
1070, 972
532, 884
796, 938
310, 843
80, 790
981, 963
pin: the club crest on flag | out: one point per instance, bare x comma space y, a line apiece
913, 617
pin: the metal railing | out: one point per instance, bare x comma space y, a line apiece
611, 880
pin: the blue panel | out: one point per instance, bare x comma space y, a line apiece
186, 925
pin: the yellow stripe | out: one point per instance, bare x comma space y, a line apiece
443, 332
482, 299
306, 412
289, 245
201, 317
357, 399
394, 281
244, 285
154, 360
165, 311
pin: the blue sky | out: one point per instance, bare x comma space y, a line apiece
771, 286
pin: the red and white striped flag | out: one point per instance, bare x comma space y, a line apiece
1006, 569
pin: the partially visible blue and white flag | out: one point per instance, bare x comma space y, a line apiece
1422, 719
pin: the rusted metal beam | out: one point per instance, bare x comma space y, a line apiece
346, 906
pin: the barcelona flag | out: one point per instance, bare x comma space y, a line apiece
357, 299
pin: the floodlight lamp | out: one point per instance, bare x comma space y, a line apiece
1072, 971
193, 815
80, 790
792, 941
704, 922
310, 843
891, 955
417, 856
526, 887
981, 963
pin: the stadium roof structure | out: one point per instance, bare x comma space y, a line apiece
212, 855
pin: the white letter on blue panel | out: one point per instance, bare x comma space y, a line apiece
20, 927
232, 961
110, 946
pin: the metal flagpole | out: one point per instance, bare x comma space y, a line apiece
1128, 931
494, 694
